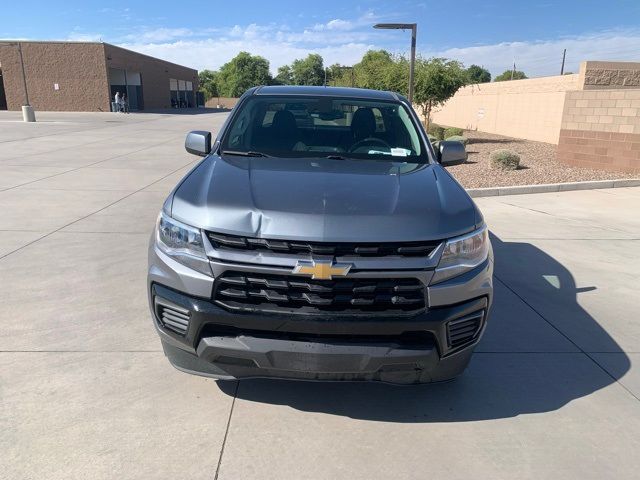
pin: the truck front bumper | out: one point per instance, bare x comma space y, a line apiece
404, 350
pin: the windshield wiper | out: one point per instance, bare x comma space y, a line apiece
335, 157
244, 154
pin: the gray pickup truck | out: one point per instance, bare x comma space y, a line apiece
320, 239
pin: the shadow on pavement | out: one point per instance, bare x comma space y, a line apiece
500, 383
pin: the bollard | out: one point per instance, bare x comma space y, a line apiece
28, 115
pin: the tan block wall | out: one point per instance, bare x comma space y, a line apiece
602, 111
530, 108
77, 68
601, 129
607, 75
155, 74
600, 150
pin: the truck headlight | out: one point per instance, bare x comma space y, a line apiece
462, 254
182, 242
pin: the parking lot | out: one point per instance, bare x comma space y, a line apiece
553, 390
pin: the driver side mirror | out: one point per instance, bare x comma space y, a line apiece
451, 153
198, 142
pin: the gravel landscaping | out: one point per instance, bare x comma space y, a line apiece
538, 164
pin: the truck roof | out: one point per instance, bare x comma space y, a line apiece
326, 91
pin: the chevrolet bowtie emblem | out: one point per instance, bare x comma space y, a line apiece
321, 269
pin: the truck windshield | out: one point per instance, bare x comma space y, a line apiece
323, 126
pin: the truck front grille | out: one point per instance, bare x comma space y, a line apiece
286, 293
403, 249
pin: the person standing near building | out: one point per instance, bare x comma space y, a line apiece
125, 103
116, 103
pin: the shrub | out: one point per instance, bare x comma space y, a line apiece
432, 139
505, 160
436, 131
458, 138
453, 132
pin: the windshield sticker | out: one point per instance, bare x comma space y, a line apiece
400, 152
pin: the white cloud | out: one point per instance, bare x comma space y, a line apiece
213, 53
544, 57
345, 41
336, 24
158, 35
277, 43
76, 36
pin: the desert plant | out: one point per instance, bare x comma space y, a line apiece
436, 131
505, 160
453, 132
458, 138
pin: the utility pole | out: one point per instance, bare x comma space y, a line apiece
513, 72
564, 54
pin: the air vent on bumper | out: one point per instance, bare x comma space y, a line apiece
172, 316
464, 330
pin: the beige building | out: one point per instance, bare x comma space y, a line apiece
593, 116
84, 76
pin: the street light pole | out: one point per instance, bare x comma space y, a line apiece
414, 29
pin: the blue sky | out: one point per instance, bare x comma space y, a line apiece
207, 34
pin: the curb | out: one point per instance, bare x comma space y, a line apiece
552, 187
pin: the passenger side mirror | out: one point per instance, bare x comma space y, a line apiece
451, 153
198, 142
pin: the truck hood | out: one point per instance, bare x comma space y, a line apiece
324, 200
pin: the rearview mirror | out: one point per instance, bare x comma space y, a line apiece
451, 153
198, 142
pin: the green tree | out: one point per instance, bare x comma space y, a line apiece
241, 73
308, 71
396, 76
506, 75
284, 76
371, 71
380, 70
338, 76
478, 74
436, 80
208, 82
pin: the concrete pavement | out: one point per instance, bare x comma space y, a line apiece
85, 391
